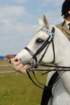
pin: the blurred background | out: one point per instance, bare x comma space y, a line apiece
19, 18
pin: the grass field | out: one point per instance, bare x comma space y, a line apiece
17, 89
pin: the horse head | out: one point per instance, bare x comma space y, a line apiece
40, 48
42, 36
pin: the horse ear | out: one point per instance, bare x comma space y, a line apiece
40, 21
45, 21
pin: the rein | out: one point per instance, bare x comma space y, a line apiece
45, 68
49, 68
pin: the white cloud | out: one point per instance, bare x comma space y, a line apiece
9, 17
13, 29
20, 1
12, 19
53, 1
11, 11
54, 10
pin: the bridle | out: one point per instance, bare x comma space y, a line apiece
35, 61
45, 46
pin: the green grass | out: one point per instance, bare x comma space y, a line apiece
17, 89
2, 62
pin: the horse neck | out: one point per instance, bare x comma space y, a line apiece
62, 48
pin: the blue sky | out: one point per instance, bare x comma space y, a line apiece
18, 19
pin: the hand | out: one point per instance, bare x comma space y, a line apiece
18, 65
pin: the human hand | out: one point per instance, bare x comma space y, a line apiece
18, 66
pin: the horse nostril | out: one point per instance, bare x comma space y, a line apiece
16, 60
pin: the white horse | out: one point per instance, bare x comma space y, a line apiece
61, 90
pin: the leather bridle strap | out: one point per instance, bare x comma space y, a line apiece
42, 47
31, 53
53, 49
36, 83
34, 56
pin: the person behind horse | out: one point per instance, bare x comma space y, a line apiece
65, 25
65, 28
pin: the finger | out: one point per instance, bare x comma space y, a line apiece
21, 68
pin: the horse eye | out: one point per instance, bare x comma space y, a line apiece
39, 40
